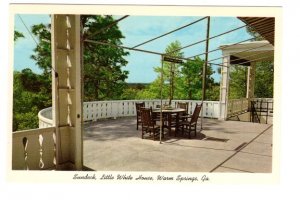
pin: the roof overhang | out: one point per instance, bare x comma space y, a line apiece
247, 52
264, 26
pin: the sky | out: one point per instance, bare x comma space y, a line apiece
138, 29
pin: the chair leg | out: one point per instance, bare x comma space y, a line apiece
190, 132
153, 135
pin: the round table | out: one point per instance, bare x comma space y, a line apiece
169, 113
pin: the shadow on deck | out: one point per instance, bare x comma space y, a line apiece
222, 146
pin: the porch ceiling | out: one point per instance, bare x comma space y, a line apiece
265, 26
249, 51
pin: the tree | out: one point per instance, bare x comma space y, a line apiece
103, 74
17, 35
264, 80
264, 76
191, 85
238, 82
153, 91
180, 81
264, 72
253, 33
42, 52
29, 97
171, 73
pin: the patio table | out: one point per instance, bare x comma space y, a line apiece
168, 113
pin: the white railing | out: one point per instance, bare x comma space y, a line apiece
95, 110
45, 118
238, 106
34, 149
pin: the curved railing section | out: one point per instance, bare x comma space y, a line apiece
96, 110
45, 118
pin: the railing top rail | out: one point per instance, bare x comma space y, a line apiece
32, 132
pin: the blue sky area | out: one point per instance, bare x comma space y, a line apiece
138, 29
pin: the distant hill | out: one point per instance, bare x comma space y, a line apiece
138, 85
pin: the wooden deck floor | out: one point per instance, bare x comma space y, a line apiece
222, 146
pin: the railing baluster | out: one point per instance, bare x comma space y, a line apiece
25, 144
41, 163
37, 147
54, 149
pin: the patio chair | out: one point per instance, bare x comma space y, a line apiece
181, 116
148, 125
190, 124
183, 105
138, 107
155, 116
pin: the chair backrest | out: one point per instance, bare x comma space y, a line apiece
146, 116
196, 113
138, 107
184, 105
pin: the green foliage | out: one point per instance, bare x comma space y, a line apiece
32, 92
30, 95
213, 92
191, 85
264, 75
180, 81
171, 71
42, 52
153, 91
253, 33
238, 82
17, 35
103, 75
129, 94
264, 80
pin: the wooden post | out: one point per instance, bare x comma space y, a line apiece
205, 63
204, 70
250, 83
161, 96
66, 89
224, 87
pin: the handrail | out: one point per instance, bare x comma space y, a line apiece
239, 106
95, 110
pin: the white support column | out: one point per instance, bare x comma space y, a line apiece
66, 89
224, 87
251, 81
